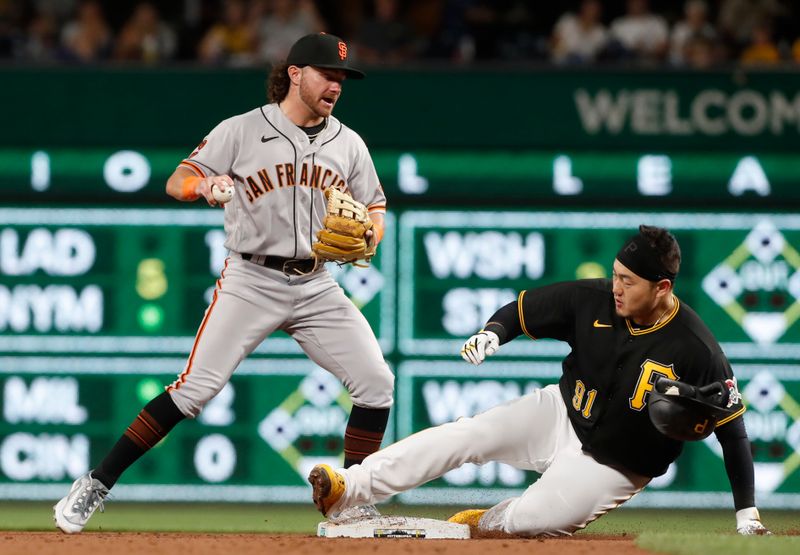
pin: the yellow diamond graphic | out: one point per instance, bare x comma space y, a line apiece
758, 284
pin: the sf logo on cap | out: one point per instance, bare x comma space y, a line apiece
342, 50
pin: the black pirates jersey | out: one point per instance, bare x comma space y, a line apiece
612, 367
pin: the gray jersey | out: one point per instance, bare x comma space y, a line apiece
280, 177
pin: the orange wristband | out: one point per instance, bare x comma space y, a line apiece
189, 187
378, 231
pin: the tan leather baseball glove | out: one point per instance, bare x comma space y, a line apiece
344, 238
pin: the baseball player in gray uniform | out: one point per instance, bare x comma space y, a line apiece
270, 167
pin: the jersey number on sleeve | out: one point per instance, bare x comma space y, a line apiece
650, 369
577, 399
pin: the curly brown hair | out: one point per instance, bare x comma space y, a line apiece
665, 244
278, 83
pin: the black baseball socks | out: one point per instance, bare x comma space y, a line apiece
154, 422
364, 433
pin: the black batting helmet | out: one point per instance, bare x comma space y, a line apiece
684, 412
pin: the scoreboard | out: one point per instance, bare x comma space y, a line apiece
99, 306
130, 280
104, 278
262, 433
739, 271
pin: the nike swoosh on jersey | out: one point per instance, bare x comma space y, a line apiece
598, 324
267, 139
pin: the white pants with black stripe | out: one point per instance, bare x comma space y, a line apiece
529, 433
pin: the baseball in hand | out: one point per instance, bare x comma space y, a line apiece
221, 195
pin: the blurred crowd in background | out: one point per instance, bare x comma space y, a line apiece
693, 33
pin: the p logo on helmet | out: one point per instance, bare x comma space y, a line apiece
700, 429
687, 413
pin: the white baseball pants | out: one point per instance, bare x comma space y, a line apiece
530, 433
250, 302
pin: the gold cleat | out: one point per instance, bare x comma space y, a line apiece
470, 517
328, 487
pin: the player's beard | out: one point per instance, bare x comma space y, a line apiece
314, 102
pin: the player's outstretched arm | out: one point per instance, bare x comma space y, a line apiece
185, 186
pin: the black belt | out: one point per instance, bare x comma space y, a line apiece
286, 265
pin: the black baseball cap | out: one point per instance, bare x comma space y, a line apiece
322, 50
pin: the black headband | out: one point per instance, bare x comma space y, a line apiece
643, 260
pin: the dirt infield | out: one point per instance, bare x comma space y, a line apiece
46, 543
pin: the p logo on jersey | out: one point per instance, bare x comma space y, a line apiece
342, 50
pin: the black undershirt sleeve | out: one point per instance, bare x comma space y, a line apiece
505, 323
738, 462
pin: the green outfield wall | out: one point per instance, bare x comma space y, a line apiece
430, 108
